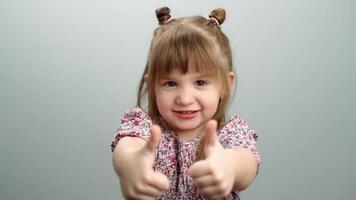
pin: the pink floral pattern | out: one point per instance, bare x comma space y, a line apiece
174, 157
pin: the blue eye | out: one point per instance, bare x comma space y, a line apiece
201, 83
170, 84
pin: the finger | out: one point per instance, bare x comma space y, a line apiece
200, 168
150, 191
213, 192
210, 133
139, 197
160, 181
205, 181
152, 144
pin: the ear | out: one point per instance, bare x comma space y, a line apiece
231, 78
231, 83
145, 77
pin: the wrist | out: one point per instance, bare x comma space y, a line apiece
234, 163
245, 168
124, 152
130, 144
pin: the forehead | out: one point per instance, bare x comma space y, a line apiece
187, 50
176, 74
192, 68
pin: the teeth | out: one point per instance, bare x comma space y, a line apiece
187, 112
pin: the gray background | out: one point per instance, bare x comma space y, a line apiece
70, 68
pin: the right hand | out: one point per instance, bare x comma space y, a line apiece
137, 178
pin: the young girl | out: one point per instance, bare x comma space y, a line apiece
183, 148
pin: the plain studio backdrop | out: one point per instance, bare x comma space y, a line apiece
69, 69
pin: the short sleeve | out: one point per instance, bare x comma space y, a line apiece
237, 134
134, 123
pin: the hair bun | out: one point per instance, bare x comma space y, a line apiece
163, 15
219, 14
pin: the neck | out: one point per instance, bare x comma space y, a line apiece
187, 135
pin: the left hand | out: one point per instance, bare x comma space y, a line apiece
215, 175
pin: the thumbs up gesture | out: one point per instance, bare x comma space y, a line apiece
214, 176
133, 164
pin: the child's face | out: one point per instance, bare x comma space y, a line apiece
187, 102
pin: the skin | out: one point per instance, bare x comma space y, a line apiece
222, 170
133, 160
187, 92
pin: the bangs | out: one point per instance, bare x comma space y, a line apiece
186, 49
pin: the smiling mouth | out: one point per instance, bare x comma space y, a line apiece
186, 114
186, 111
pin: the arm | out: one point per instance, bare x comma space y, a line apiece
222, 170
245, 167
133, 159
123, 149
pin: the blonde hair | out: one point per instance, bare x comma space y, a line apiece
187, 44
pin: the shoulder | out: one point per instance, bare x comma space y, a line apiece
237, 121
234, 123
237, 126
136, 120
237, 134
136, 115
134, 123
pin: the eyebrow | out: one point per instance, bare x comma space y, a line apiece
199, 76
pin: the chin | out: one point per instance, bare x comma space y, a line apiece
187, 126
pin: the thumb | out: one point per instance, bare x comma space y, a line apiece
210, 133
152, 144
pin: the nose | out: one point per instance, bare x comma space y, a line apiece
184, 97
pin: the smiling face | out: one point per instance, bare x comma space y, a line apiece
187, 101
190, 45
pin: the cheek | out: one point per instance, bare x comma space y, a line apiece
163, 100
159, 100
211, 99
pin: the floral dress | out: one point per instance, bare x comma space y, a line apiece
174, 157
